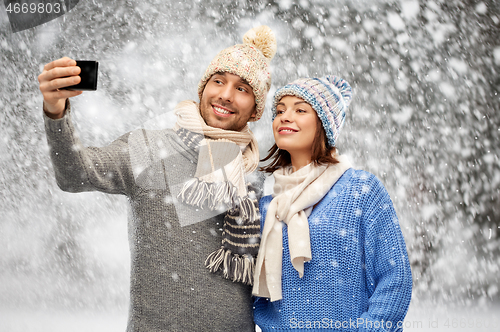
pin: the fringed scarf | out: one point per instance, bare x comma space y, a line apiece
295, 195
224, 158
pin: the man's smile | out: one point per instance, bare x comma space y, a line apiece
222, 111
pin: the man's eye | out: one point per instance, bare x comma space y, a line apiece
217, 80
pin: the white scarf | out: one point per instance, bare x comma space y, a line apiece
295, 194
245, 161
224, 158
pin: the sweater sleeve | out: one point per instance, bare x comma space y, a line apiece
388, 273
263, 205
78, 168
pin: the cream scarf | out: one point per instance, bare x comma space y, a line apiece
295, 194
224, 158
222, 184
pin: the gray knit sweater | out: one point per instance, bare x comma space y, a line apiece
170, 288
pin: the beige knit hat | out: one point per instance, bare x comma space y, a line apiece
249, 61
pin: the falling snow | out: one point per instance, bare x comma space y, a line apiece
424, 119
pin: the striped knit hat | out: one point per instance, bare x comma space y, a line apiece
329, 96
249, 61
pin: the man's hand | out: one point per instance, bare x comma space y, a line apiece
56, 75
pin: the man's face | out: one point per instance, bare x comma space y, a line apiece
227, 102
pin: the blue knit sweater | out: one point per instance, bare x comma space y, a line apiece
359, 278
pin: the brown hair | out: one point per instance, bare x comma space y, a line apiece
321, 153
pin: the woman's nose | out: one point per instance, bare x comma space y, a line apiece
286, 116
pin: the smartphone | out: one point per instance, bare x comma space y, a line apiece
88, 75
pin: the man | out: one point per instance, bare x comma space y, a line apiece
191, 207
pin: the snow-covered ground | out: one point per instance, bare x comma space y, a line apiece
19, 320
420, 318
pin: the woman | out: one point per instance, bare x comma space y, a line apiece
332, 255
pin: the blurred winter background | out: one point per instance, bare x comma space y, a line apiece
425, 119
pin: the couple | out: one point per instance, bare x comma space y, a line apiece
324, 252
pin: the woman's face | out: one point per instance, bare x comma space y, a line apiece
295, 125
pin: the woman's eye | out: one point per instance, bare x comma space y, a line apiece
242, 89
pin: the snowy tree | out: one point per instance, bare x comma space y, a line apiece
424, 119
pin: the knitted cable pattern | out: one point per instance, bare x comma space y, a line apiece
359, 278
295, 194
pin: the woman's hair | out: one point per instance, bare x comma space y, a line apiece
321, 153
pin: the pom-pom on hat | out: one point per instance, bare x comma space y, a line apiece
250, 61
329, 96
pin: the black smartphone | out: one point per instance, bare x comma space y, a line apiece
88, 75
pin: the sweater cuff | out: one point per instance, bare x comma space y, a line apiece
56, 125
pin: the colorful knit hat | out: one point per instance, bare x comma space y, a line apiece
249, 61
329, 96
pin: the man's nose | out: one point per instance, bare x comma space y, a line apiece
227, 93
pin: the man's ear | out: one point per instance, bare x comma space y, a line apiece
254, 113
200, 95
